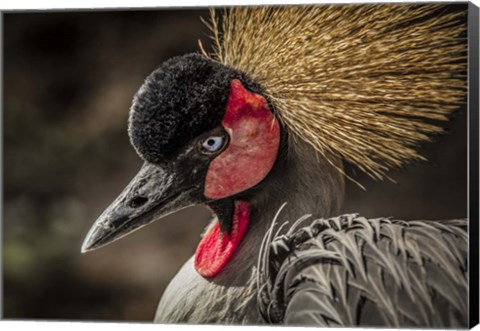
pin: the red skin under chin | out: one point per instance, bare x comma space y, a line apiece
216, 248
254, 141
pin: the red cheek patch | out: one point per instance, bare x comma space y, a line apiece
254, 141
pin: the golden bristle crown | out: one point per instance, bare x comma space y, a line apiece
363, 82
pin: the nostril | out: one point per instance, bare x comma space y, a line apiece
137, 202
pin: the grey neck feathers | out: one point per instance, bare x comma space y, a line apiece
303, 179
307, 182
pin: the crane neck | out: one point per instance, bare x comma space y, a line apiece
303, 179
309, 184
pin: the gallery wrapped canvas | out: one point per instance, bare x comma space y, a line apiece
307, 165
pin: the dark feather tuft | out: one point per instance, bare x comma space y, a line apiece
185, 97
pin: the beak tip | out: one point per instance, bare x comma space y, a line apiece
96, 238
86, 246
91, 241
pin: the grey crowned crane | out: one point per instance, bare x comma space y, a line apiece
258, 132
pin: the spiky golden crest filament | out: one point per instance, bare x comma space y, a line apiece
365, 82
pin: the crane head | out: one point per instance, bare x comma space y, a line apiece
207, 136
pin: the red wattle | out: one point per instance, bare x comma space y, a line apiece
216, 248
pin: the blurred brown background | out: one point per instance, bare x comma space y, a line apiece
69, 78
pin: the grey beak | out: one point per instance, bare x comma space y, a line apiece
152, 194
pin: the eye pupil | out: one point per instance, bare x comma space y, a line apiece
210, 142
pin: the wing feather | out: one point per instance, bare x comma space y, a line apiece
353, 271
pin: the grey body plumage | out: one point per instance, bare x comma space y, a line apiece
342, 271
350, 270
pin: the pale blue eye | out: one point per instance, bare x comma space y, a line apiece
213, 144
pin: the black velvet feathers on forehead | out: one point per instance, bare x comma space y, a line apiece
185, 97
